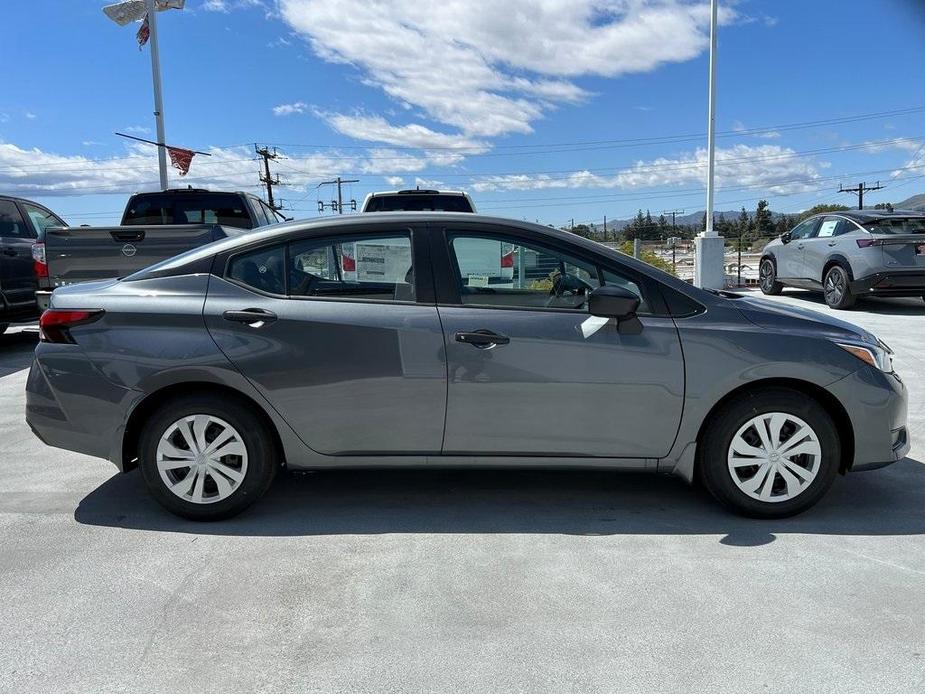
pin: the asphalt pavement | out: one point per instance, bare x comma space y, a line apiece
435, 581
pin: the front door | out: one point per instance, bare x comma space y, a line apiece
335, 334
790, 255
531, 372
17, 277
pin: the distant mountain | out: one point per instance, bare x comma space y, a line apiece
916, 202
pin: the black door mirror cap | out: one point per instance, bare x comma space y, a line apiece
786, 237
618, 303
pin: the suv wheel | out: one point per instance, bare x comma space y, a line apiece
767, 278
207, 458
770, 454
836, 288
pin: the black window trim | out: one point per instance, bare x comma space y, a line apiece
420, 258
446, 271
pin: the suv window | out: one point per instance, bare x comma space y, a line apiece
834, 226
261, 269
41, 218
11, 222
897, 225
361, 267
416, 202
505, 272
804, 229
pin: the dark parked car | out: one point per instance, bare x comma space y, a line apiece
154, 226
419, 200
372, 340
22, 222
847, 255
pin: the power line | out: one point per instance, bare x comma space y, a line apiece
859, 190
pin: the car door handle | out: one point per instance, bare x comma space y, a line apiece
799, 245
483, 339
254, 317
832, 243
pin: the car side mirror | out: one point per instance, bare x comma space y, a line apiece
618, 303
786, 237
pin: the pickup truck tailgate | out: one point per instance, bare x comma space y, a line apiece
80, 254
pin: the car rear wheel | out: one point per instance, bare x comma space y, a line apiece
767, 278
207, 458
770, 454
836, 287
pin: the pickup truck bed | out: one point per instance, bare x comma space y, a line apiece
82, 254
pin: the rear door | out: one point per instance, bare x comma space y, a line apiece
532, 373
341, 335
17, 278
828, 238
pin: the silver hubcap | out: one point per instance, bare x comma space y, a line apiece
774, 457
834, 286
202, 459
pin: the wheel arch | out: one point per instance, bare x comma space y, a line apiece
837, 259
157, 398
831, 404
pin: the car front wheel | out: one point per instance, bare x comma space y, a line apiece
767, 278
770, 454
836, 288
207, 458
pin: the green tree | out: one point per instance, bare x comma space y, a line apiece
817, 209
647, 257
763, 222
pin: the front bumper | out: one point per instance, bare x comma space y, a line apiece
892, 283
877, 404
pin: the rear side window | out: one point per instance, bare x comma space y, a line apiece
897, 225
418, 203
374, 267
11, 222
262, 269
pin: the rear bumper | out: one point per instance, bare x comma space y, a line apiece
877, 405
891, 283
71, 405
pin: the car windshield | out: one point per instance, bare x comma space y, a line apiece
897, 225
419, 203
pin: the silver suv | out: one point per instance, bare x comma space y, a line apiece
849, 254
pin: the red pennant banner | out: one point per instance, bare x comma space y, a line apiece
181, 158
143, 33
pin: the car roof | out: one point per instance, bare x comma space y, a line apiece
866, 216
419, 191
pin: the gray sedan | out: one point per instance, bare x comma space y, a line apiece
438, 339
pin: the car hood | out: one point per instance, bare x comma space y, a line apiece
781, 317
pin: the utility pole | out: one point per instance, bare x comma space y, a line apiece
605, 227
674, 235
859, 190
339, 203
265, 177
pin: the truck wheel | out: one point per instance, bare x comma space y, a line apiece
204, 457
836, 288
769, 454
767, 278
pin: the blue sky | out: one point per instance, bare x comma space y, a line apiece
543, 109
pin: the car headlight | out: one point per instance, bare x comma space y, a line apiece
879, 356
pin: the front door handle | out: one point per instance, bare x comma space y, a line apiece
254, 317
799, 245
482, 339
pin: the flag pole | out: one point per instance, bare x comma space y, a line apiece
158, 101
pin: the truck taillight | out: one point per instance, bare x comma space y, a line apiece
39, 265
348, 264
507, 259
55, 324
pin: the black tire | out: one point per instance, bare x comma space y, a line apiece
836, 288
713, 463
262, 460
767, 278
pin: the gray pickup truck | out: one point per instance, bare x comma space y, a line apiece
155, 226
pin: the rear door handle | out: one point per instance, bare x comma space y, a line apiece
832, 243
483, 339
254, 317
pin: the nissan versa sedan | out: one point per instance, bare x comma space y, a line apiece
847, 255
387, 340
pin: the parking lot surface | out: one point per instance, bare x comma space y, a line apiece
435, 581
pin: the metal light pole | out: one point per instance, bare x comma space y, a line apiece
158, 101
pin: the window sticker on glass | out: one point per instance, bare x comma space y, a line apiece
477, 281
828, 228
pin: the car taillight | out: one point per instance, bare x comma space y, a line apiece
865, 243
55, 324
507, 260
39, 265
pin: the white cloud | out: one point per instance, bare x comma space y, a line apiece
776, 169
487, 68
395, 181
739, 127
226, 6
378, 129
137, 129
289, 109
907, 144
30, 115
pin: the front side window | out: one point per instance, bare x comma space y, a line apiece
11, 222
804, 229
495, 271
262, 269
375, 267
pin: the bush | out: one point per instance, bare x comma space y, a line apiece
648, 257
